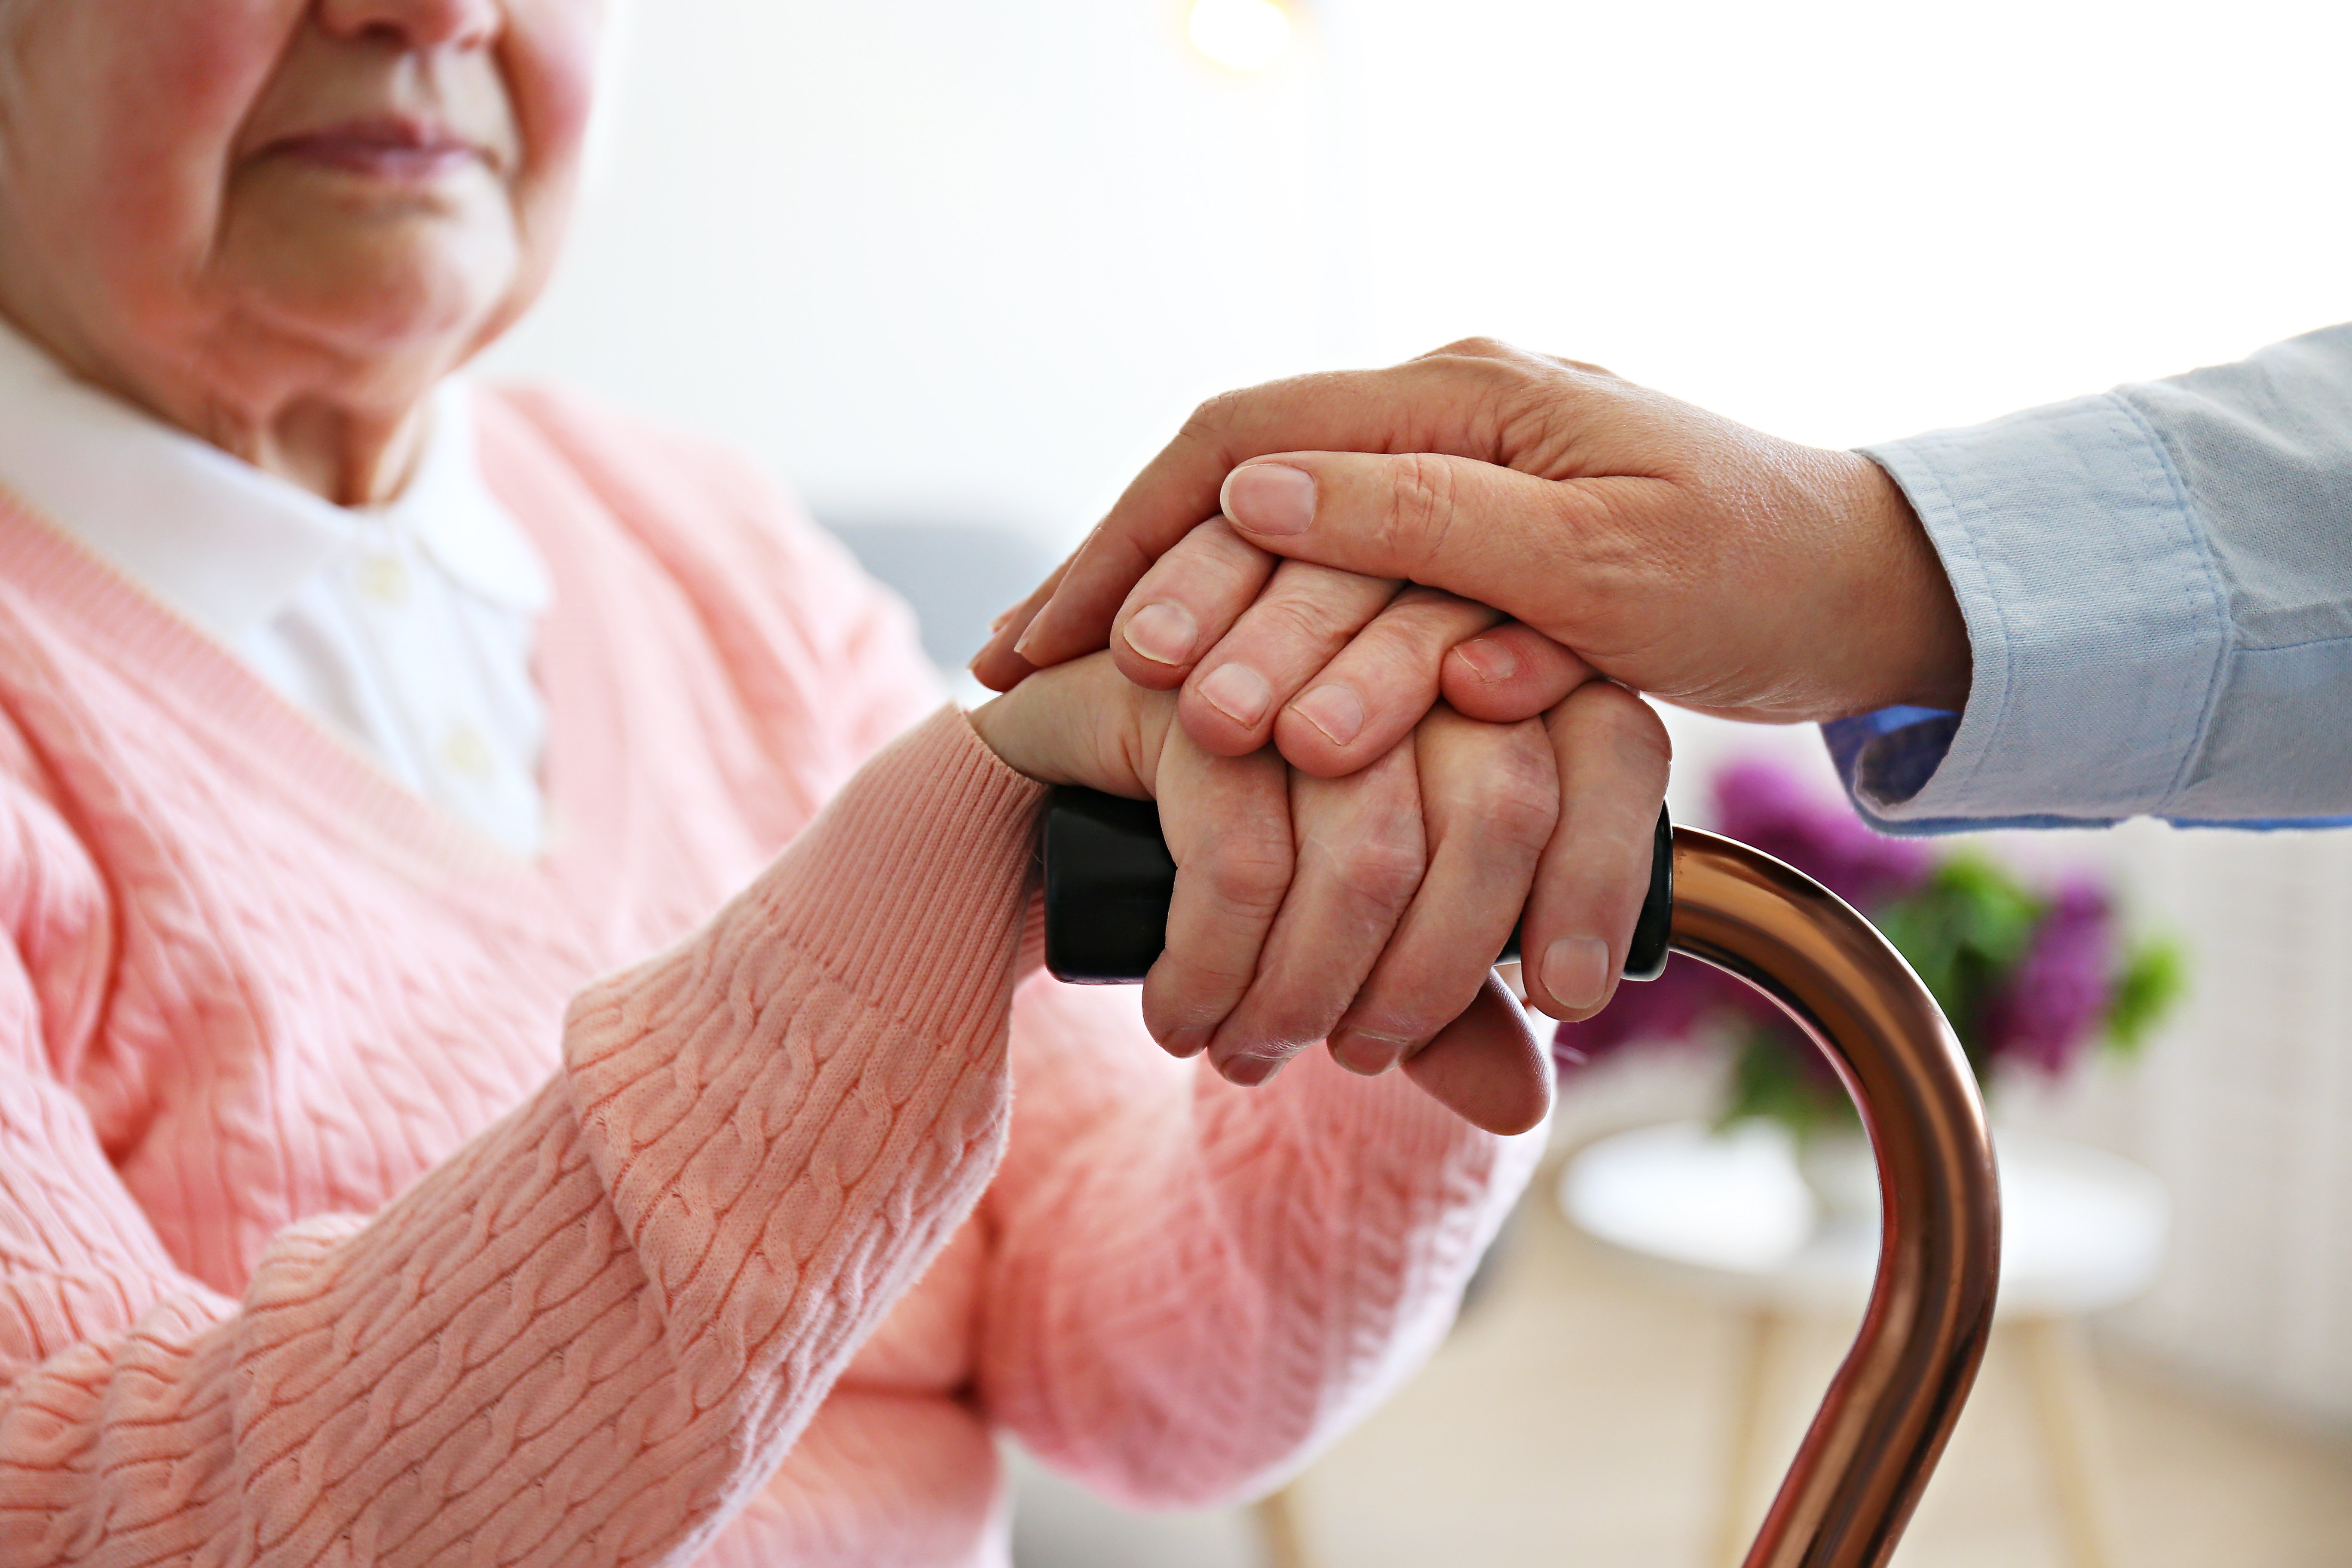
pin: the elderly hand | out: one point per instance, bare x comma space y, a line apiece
1365, 911
1676, 551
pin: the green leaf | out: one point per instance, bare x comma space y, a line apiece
1769, 1082
2155, 974
1964, 932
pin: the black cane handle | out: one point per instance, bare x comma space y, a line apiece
1109, 878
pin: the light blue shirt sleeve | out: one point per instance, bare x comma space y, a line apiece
2158, 586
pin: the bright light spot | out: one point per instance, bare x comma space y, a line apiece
1239, 34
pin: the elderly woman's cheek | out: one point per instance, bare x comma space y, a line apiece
553, 52
552, 57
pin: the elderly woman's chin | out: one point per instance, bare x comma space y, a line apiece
417, 277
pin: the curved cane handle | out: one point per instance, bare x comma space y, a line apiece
1889, 1411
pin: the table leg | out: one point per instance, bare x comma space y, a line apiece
1755, 1357
2075, 1437
1277, 1525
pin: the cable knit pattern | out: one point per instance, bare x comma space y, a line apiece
348, 1215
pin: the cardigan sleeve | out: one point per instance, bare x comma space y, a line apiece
591, 1333
1195, 1287
1191, 1286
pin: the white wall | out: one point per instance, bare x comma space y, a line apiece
1843, 219
975, 262
2246, 1107
980, 258
927, 258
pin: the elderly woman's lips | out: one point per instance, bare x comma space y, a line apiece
386, 151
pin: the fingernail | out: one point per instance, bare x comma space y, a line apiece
1186, 1041
998, 623
1163, 633
1270, 498
1576, 971
1238, 692
1249, 1072
1020, 644
1367, 1056
1488, 660
1335, 710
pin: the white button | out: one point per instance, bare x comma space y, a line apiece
384, 578
464, 750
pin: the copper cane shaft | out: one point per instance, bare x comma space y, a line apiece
1890, 1409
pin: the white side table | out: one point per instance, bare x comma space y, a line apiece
1730, 1216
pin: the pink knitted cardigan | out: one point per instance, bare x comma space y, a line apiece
347, 1216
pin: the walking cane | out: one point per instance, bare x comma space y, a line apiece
1890, 1407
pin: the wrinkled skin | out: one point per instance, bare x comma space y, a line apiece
277, 223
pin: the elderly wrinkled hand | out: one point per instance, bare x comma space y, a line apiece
1364, 911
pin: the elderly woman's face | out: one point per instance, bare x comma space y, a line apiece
266, 185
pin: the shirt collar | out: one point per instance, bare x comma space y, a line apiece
223, 543
448, 507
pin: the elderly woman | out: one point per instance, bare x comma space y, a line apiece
353, 723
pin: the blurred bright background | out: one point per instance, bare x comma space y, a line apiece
960, 269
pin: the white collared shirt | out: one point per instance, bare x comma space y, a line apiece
408, 628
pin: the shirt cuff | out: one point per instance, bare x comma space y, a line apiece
2095, 613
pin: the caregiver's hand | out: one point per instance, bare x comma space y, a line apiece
1676, 552
1365, 910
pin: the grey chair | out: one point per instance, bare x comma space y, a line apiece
957, 576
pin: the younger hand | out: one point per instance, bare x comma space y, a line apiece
1676, 552
1332, 667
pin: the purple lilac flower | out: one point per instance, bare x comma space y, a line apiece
1769, 808
2060, 991
1766, 806
1667, 1008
